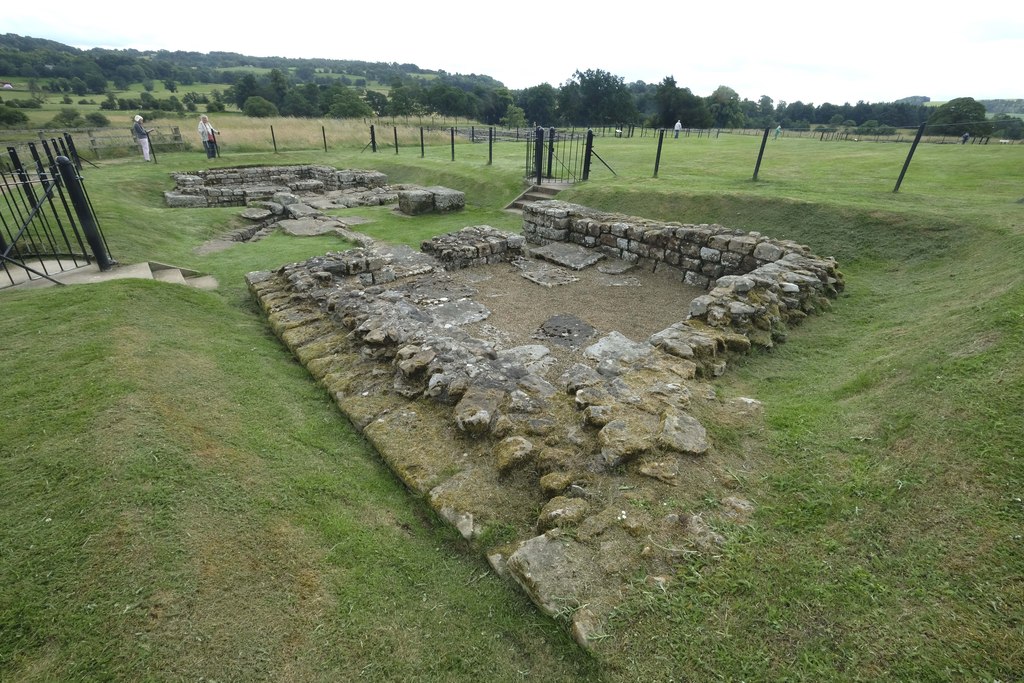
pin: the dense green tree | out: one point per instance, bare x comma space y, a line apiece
243, 89
643, 95
404, 100
669, 103
346, 104
597, 97
259, 107
127, 74
378, 102
493, 104
446, 99
1008, 127
67, 117
693, 110
538, 104
962, 115
97, 120
514, 117
276, 86
796, 115
570, 103
724, 107
297, 104
12, 118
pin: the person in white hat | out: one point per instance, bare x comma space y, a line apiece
208, 134
141, 136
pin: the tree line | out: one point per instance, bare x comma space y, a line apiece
348, 88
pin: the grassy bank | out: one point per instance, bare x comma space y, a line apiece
180, 501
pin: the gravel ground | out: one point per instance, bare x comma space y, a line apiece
635, 303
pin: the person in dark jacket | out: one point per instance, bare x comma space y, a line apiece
141, 136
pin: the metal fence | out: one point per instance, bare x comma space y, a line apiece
47, 224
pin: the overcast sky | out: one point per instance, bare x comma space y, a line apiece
814, 52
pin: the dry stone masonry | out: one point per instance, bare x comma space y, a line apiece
757, 285
273, 187
578, 465
248, 185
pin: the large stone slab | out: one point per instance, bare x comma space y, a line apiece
568, 255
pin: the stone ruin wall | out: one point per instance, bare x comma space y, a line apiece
242, 186
756, 285
577, 467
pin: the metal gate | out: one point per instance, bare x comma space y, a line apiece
47, 224
557, 157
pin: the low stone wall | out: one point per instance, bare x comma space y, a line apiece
241, 186
757, 285
478, 245
436, 199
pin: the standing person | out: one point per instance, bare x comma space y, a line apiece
208, 134
141, 136
678, 127
964, 138
778, 131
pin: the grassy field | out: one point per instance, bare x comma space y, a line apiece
180, 501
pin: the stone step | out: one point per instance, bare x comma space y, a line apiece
90, 273
534, 193
172, 275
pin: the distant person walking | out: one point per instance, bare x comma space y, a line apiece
208, 134
678, 127
964, 138
141, 136
778, 132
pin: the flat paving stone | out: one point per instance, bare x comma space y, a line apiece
569, 255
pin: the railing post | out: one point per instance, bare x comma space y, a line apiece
323, 132
588, 150
490, 145
452, 133
910, 155
26, 183
273, 139
657, 157
423, 152
82, 210
538, 154
396, 140
757, 166
551, 150
373, 139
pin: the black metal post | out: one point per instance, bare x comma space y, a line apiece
82, 210
72, 152
373, 139
910, 155
551, 150
538, 154
323, 131
452, 133
26, 182
422, 150
273, 139
490, 145
657, 157
588, 151
757, 166
396, 140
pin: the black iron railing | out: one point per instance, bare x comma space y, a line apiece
47, 224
